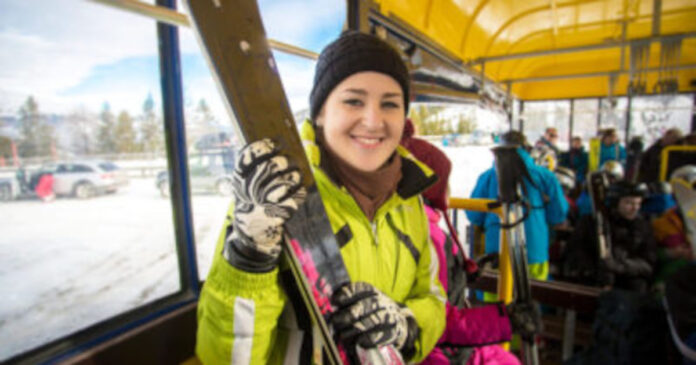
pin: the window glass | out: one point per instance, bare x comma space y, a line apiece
212, 141
81, 168
539, 115
585, 119
108, 166
80, 84
613, 115
653, 115
466, 133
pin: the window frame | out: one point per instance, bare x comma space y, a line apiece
175, 140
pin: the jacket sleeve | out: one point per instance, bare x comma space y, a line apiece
557, 208
476, 326
622, 155
427, 299
237, 313
481, 191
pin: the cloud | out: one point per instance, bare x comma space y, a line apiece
57, 48
305, 23
54, 53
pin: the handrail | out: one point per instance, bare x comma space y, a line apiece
171, 17
491, 206
567, 295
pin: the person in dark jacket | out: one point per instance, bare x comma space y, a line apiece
576, 159
630, 264
649, 170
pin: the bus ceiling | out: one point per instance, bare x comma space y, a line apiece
533, 50
556, 49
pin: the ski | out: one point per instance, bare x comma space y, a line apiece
511, 172
597, 185
234, 42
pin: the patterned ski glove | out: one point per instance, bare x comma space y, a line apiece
525, 319
267, 192
369, 318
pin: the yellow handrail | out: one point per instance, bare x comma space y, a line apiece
664, 158
491, 206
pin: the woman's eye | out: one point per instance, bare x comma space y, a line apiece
390, 104
353, 102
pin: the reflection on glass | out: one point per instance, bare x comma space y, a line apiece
85, 236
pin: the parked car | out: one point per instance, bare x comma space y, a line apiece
85, 179
209, 171
9, 188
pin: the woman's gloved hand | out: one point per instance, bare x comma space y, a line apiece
267, 192
369, 318
525, 319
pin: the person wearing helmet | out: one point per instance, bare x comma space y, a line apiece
614, 170
614, 173
633, 252
566, 177
674, 238
545, 152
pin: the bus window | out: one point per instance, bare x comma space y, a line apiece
585, 119
207, 119
466, 133
652, 115
80, 88
539, 115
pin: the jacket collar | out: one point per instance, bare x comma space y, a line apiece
416, 176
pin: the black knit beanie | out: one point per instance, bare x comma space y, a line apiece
351, 53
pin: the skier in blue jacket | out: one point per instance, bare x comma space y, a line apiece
548, 208
611, 149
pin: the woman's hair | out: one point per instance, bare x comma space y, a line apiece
351, 53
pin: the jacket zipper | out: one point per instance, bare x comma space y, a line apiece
374, 231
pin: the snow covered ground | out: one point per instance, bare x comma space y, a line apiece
71, 263
68, 264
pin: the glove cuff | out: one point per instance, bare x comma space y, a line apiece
408, 348
245, 257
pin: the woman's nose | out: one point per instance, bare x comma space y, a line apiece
372, 117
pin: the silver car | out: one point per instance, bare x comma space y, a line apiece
84, 179
209, 171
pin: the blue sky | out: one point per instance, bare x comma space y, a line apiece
77, 54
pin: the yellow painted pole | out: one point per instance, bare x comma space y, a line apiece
505, 282
491, 206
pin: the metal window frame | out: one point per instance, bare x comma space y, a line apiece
82, 340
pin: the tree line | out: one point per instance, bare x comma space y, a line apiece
429, 121
83, 133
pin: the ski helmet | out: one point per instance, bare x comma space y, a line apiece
623, 189
544, 157
566, 177
614, 169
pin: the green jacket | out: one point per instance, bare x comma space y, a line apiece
246, 318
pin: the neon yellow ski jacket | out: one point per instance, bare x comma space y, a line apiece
239, 313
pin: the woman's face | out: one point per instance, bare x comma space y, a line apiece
363, 119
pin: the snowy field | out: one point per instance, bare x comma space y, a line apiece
71, 263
